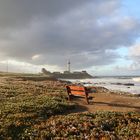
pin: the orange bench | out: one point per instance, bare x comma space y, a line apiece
77, 90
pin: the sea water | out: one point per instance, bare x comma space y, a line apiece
118, 83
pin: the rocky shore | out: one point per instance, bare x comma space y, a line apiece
107, 91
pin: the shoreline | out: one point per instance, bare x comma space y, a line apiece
124, 86
102, 89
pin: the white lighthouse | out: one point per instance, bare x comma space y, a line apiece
68, 66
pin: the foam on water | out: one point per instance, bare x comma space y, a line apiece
136, 79
113, 83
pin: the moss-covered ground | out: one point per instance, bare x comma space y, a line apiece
35, 110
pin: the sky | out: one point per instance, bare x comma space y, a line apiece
99, 36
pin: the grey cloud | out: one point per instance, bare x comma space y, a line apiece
20, 12
66, 29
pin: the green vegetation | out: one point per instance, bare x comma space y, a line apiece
12, 74
26, 103
100, 126
34, 110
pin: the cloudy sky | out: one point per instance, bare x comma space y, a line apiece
100, 36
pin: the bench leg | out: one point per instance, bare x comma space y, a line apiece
87, 99
68, 92
69, 97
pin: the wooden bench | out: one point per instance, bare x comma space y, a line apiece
77, 90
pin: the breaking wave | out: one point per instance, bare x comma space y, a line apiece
136, 79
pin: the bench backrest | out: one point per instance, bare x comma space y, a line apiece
76, 90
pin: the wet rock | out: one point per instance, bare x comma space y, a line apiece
129, 84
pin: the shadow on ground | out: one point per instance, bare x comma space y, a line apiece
78, 109
82, 106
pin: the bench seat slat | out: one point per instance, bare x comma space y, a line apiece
78, 93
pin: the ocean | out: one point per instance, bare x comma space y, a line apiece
129, 84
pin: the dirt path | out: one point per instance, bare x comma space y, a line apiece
109, 102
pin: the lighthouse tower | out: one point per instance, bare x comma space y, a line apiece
68, 66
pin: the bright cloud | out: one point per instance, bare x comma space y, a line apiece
35, 57
135, 51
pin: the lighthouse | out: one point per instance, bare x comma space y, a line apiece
68, 66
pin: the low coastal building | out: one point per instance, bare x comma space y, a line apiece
57, 72
66, 72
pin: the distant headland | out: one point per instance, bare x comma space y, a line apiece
67, 74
